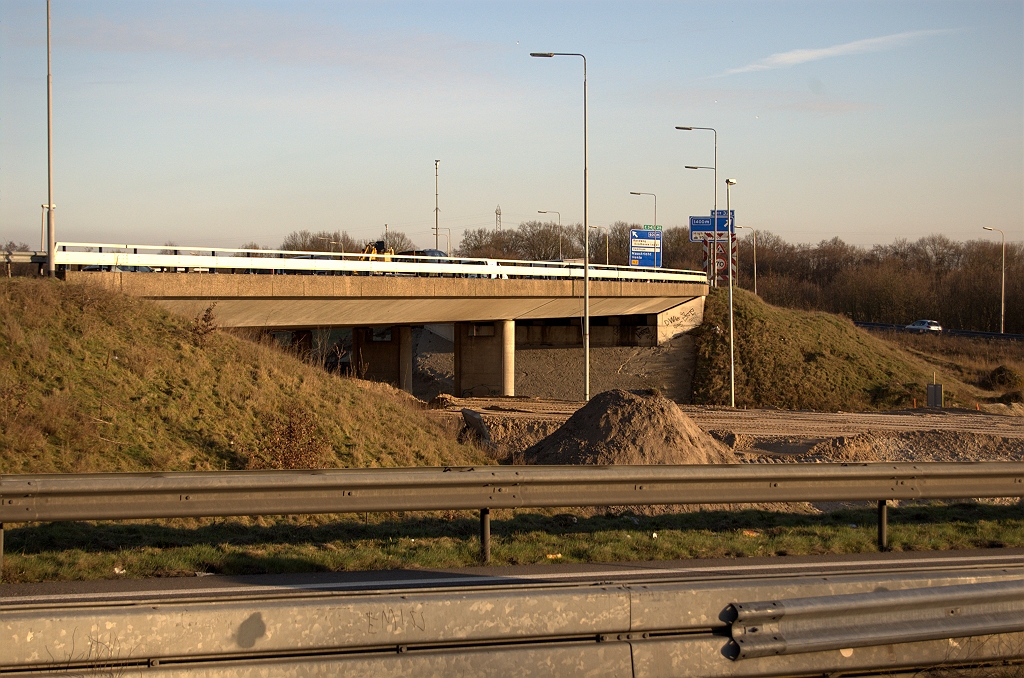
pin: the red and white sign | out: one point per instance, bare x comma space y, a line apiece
721, 255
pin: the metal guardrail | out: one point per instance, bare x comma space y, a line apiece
628, 628
953, 333
122, 496
801, 625
192, 259
10, 258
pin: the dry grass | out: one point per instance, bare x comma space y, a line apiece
92, 380
804, 360
972, 360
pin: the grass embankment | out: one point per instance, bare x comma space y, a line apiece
94, 381
808, 361
994, 366
66, 551
91, 380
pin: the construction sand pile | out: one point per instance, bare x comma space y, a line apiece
623, 427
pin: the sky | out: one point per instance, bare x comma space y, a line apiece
219, 123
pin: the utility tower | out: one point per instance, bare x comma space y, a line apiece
497, 218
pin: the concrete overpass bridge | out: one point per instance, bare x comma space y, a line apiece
491, 306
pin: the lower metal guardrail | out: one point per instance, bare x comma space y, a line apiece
778, 627
625, 629
125, 496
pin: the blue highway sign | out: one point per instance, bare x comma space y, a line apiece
704, 228
645, 247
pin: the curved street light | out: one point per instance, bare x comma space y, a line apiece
586, 226
729, 183
714, 258
655, 204
51, 236
437, 209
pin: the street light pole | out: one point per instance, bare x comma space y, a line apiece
1002, 294
655, 204
51, 245
729, 183
753, 233
714, 255
437, 210
559, 228
586, 226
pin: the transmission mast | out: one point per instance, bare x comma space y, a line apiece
497, 218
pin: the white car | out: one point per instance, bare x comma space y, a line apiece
924, 326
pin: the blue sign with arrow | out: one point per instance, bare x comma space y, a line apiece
703, 229
645, 247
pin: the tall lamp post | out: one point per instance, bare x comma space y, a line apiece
586, 226
559, 228
1002, 294
51, 245
714, 257
655, 204
729, 183
437, 210
753, 233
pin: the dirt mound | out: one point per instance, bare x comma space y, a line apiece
623, 427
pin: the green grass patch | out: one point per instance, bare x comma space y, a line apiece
82, 551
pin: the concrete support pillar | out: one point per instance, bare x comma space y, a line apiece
405, 358
485, 359
508, 357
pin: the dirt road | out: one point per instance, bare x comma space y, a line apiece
773, 423
771, 436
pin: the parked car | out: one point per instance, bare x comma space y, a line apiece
925, 326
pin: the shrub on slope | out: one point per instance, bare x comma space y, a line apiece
91, 380
803, 360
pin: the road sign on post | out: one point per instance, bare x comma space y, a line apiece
721, 249
645, 247
703, 229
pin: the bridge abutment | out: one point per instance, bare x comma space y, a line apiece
485, 359
383, 354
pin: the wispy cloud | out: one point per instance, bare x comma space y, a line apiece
803, 56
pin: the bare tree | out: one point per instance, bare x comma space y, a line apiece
320, 241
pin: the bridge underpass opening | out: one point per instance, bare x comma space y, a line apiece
545, 315
479, 359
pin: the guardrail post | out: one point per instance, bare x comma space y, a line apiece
883, 525
485, 535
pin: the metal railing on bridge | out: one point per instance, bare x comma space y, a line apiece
172, 258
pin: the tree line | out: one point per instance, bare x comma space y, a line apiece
956, 283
